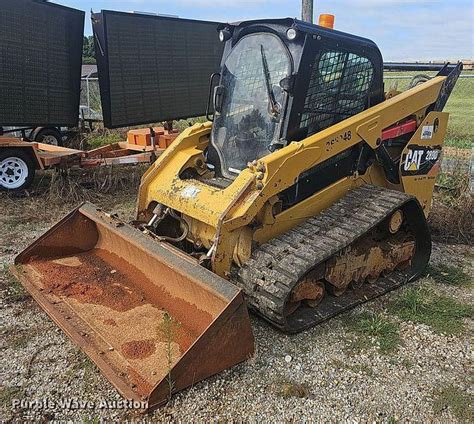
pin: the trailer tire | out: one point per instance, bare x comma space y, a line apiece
17, 169
49, 136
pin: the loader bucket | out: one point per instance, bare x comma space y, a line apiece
152, 319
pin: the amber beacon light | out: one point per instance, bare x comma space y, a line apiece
326, 21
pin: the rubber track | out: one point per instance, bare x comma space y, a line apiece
275, 267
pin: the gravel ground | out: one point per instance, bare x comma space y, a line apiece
318, 375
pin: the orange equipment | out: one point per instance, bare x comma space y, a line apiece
142, 137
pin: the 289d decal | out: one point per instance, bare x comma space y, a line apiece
419, 160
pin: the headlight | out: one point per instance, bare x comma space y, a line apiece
224, 34
291, 34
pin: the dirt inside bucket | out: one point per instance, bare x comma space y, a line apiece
138, 349
138, 318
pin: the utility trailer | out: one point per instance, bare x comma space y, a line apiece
21, 158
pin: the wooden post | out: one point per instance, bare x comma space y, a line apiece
307, 11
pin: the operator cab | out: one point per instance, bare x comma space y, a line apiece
283, 80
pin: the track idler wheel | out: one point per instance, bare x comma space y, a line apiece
306, 291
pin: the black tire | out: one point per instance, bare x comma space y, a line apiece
49, 136
17, 169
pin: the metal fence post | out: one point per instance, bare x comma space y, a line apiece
307, 11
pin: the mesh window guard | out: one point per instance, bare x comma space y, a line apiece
338, 89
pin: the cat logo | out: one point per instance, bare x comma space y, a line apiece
413, 160
419, 160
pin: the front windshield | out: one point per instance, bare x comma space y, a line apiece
252, 105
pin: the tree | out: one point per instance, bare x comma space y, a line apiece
88, 50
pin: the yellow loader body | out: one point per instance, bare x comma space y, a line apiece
306, 196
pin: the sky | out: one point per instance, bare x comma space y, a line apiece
403, 29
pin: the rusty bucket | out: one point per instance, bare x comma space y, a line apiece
152, 319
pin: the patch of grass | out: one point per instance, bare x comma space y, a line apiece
451, 215
459, 107
458, 142
186, 123
8, 393
374, 327
449, 275
91, 420
458, 401
290, 389
454, 183
100, 140
422, 305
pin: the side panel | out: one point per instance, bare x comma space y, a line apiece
421, 158
153, 68
40, 63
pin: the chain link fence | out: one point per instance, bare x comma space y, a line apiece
460, 104
90, 99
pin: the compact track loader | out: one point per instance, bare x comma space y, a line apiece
307, 194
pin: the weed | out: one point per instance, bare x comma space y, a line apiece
449, 275
422, 305
168, 329
290, 389
371, 327
74, 186
91, 420
457, 400
454, 183
451, 215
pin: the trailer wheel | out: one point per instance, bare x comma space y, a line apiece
17, 170
49, 136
